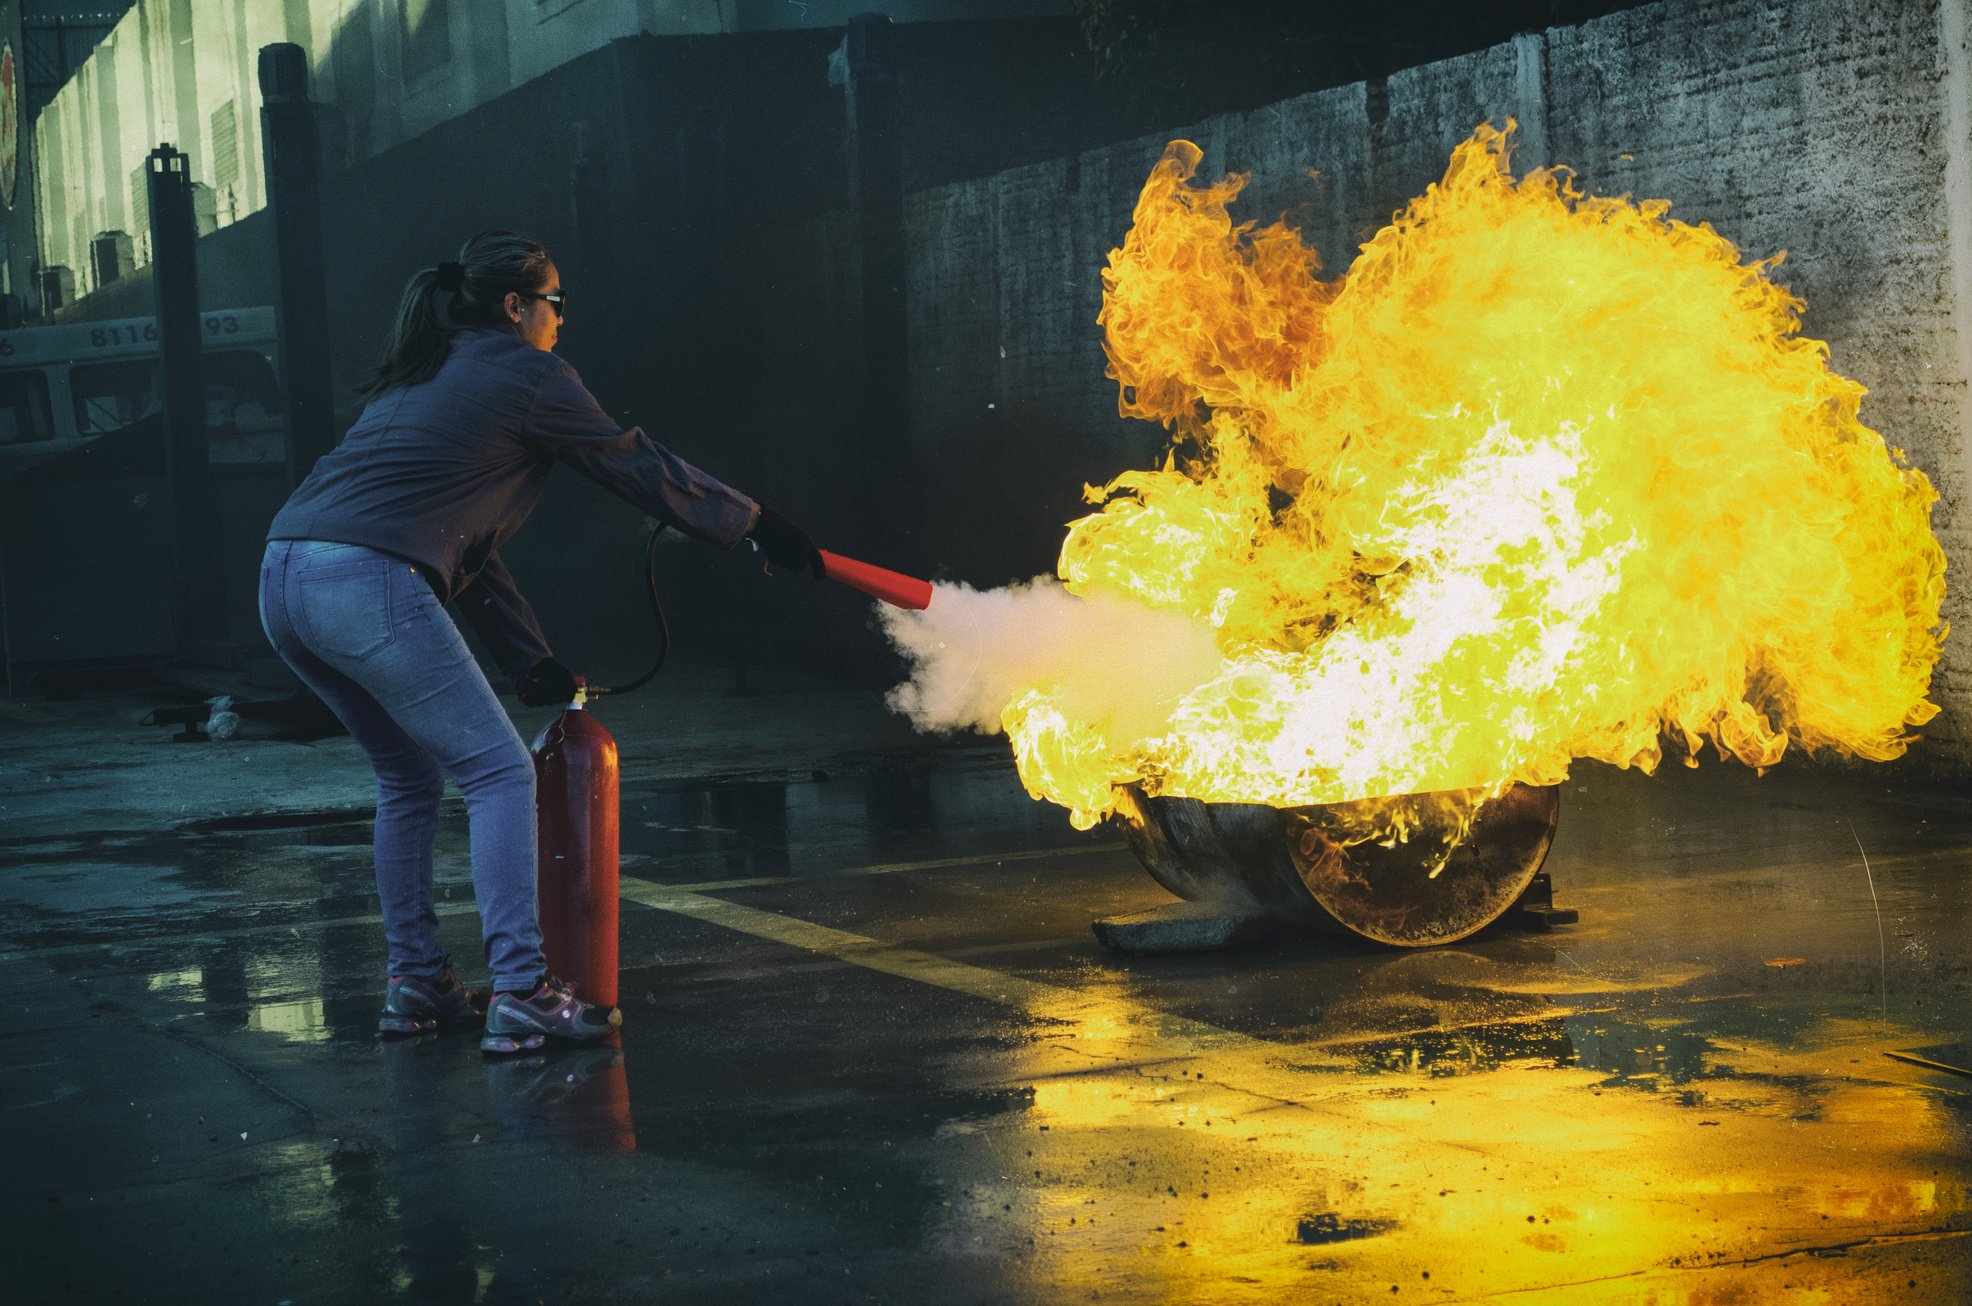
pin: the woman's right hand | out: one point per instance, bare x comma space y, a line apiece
786, 545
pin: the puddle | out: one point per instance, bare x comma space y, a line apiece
1468, 1050
1630, 1053
300, 1021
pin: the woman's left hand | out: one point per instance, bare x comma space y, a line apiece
547, 684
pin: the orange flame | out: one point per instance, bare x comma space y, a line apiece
1546, 476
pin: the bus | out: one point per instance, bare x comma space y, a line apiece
85, 492
62, 387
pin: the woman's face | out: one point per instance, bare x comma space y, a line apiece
535, 320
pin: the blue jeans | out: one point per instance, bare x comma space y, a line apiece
365, 632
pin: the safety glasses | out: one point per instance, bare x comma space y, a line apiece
557, 301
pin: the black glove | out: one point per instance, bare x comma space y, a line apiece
547, 684
786, 545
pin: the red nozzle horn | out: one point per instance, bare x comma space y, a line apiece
892, 587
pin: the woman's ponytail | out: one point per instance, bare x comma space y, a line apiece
489, 266
418, 340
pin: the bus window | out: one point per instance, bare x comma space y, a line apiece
243, 411
111, 396
241, 395
24, 409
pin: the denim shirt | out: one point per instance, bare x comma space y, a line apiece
442, 473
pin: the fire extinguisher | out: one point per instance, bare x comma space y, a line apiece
576, 797
576, 786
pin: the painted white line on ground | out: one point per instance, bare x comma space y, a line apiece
467, 908
1178, 1035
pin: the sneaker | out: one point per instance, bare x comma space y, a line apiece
416, 1006
521, 1024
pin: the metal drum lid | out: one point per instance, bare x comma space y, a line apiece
1390, 894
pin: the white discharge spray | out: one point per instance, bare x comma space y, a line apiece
972, 652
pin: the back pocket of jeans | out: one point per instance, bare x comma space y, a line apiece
346, 609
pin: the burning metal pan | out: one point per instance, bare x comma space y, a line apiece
1245, 868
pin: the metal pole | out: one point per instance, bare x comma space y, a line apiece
874, 139
6, 621
877, 191
175, 270
292, 140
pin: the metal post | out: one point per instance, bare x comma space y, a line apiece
292, 139
589, 199
7, 623
876, 179
873, 94
175, 269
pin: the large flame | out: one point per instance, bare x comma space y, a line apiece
1546, 476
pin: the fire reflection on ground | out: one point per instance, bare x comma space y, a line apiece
1464, 1162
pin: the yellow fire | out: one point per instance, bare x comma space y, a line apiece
1545, 476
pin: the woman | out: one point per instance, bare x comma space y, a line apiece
466, 415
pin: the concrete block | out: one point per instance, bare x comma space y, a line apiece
1182, 927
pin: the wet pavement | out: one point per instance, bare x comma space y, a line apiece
873, 1052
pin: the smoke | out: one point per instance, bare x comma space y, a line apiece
1107, 658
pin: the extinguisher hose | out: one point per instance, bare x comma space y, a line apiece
657, 614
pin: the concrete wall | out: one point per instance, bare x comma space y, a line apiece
1838, 131
185, 71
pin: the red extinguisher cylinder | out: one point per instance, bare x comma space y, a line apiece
575, 769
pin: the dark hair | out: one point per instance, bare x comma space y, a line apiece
490, 266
